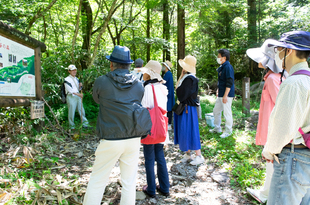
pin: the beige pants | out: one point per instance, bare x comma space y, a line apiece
107, 154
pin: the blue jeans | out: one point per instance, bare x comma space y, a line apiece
290, 183
152, 153
74, 102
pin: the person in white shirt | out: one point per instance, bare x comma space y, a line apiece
74, 97
285, 146
155, 152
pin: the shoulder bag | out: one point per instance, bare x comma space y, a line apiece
159, 124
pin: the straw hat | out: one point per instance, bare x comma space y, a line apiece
167, 64
188, 64
153, 69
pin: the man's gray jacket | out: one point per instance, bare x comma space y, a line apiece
121, 115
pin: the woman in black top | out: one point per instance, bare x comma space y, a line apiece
186, 128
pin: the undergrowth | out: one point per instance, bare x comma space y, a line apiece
238, 152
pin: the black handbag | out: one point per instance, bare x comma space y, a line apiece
178, 108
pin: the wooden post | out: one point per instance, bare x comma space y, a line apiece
246, 96
37, 68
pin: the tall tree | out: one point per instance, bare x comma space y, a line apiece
252, 31
181, 36
76, 30
166, 30
120, 24
148, 30
40, 12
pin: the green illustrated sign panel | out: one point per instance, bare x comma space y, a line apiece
17, 75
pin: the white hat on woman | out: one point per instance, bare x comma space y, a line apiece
153, 69
264, 55
188, 64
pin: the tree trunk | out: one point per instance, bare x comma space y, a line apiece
166, 30
181, 37
252, 34
87, 22
76, 31
102, 30
148, 28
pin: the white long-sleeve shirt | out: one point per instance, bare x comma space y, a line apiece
291, 111
74, 82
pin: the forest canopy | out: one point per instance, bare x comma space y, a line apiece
83, 32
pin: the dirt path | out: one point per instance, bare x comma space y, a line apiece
194, 185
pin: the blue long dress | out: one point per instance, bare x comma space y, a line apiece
186, 127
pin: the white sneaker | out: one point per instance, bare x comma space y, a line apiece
215, 130
169, 127
197, 160
225, 134
255, 194
186, 158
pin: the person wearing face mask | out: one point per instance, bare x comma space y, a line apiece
225, 94
285, 147
166, 68
265, 56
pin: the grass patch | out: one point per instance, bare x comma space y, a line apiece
238, 153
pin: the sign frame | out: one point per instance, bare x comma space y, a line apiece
38, 47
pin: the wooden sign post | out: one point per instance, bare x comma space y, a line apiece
246, 96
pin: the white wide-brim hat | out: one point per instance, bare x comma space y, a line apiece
188, 64
264, 55
153, 69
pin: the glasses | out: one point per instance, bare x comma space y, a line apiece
278, 49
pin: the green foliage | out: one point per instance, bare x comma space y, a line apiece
237, 153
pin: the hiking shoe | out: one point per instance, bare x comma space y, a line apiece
198, 160
163, 193
255, 194
186, 157
225, 134
215, 130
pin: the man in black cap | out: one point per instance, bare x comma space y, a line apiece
120, 124
285, 146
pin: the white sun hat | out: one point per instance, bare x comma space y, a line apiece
153, 69
264, 55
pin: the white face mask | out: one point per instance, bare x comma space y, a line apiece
219, 61
163, 68
279, 62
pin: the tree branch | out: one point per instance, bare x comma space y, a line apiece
37, 16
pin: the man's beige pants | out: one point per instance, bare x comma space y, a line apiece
107, 154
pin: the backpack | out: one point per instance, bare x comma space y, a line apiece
63, 94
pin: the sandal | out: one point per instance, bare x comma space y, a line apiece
163, 193
144, 189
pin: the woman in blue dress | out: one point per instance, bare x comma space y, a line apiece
186, 127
